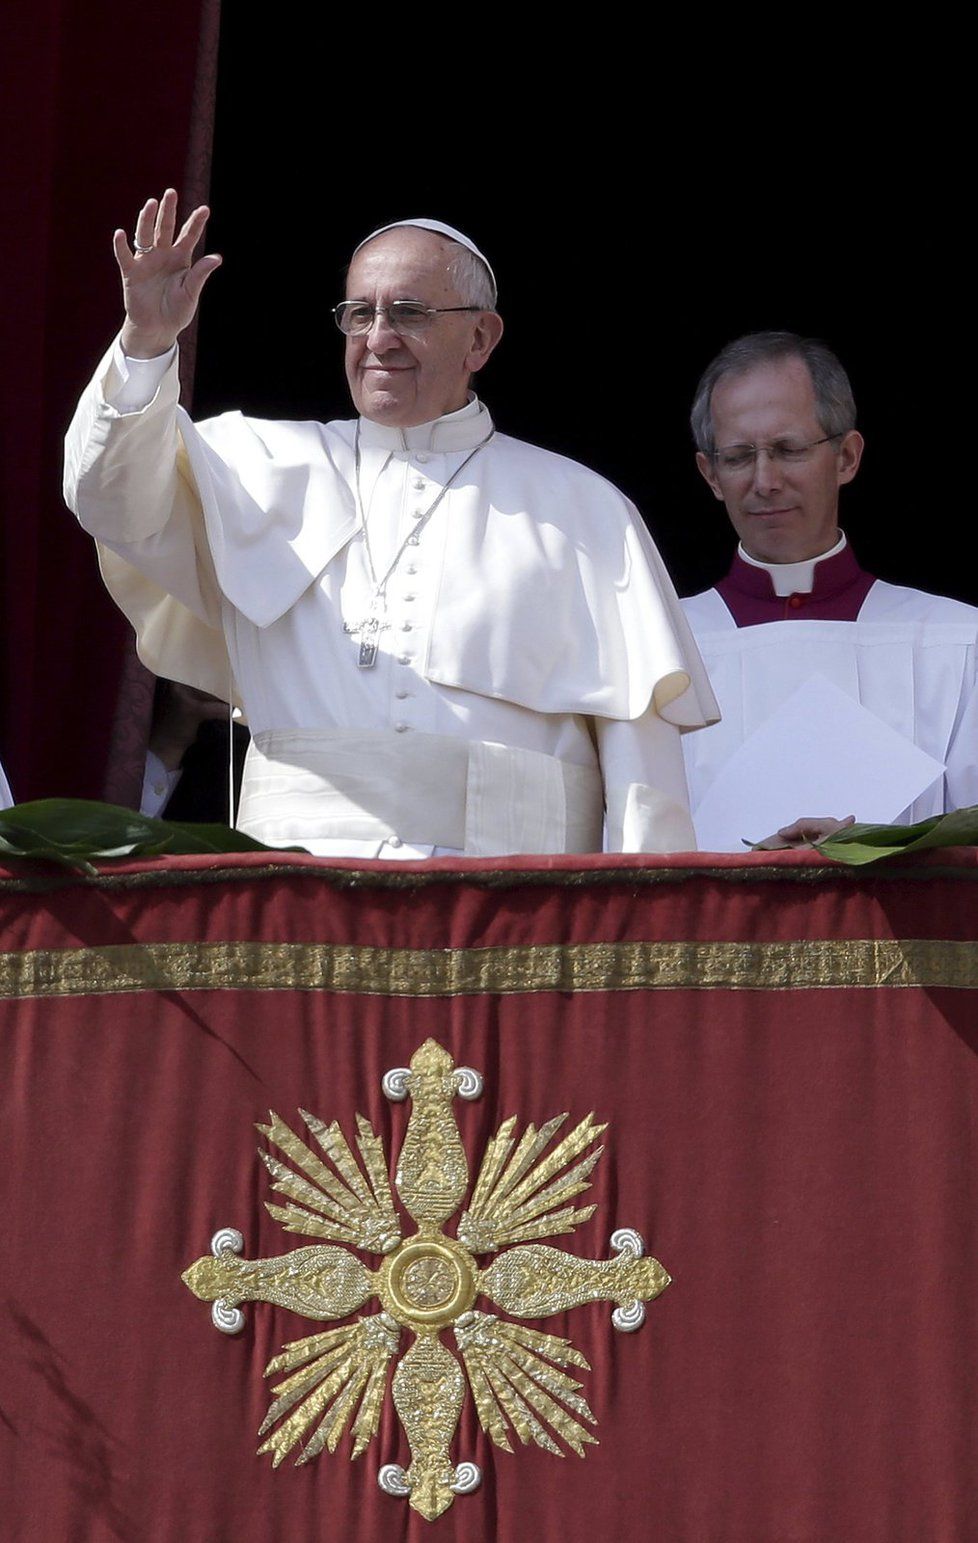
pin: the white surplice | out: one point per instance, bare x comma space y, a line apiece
909, 658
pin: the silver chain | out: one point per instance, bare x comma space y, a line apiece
380, 586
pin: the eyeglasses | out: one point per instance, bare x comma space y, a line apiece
405, 317
786, 452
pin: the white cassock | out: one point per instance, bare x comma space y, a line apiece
909, 659
532, 661
6, 797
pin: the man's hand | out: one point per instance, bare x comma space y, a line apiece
161, 283
178, 713
803, 833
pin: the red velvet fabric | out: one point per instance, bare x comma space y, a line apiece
100, 107
802, 1161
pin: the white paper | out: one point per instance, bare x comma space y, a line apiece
819, 754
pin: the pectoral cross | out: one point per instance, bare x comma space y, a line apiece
368, 632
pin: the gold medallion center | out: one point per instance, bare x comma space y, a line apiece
428, 1282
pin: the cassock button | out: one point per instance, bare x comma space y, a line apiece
414, 540
400, 728
418, 484
394, 841
404, 658
411, 568
410, 597
417, 514
795, 602
423, 458
405, 626
400, 695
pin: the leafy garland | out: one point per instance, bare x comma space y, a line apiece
76, 833
869, 843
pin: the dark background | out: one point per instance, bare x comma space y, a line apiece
695, 216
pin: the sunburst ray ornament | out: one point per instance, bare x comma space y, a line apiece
428, 1282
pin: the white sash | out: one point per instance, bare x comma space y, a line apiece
426, 789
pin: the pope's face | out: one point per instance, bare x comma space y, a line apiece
405, 380
783, 512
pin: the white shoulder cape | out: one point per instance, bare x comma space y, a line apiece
553, 595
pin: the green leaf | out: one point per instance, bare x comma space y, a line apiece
869, 843
76, 832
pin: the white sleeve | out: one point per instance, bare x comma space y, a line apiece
961, 774
158, 785
6, 797
138, 379
127, 479
646, 799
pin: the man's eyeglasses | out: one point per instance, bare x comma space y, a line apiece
405, 317
787, 452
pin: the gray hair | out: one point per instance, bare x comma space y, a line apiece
835, 406
472, 279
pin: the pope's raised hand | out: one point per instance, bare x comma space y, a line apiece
161, 283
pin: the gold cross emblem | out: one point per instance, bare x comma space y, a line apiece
428, 1282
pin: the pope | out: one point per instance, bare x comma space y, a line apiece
445, 640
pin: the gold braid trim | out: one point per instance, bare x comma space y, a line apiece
447, 972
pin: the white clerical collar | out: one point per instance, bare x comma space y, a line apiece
793, 578
461, 430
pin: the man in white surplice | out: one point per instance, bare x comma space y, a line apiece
444, 640
838, 692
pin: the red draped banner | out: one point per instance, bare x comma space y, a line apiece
783, 1056
101, 106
